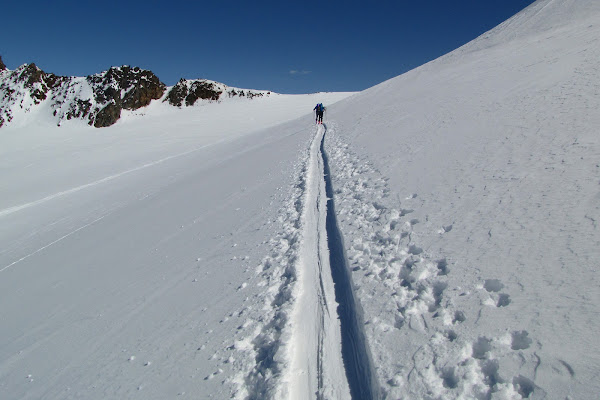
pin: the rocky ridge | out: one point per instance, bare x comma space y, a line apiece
99, 99
188, 92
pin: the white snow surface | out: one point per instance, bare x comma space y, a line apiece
469, 198
183, 252
129, 253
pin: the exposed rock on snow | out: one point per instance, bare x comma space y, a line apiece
190, 91
123, 88
99, 99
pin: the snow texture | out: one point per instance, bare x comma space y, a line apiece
195, 251
469, 191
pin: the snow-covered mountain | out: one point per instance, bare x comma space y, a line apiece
98, 99
436, 238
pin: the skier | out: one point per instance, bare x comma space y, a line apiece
319, 110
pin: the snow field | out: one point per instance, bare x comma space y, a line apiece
407, 301
131, 252
276, 274
177, 254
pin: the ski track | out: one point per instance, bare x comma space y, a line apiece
295, 347
10, 210
316, 365
52, 243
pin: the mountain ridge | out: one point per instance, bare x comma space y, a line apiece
99, 99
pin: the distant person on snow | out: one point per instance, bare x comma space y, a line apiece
319, 110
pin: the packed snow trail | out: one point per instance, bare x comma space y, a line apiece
328, 354
316, 365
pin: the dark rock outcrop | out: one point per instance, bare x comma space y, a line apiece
177, 93
2, 66
202, 90
107, 116
123, 88
78, 109
246, 93
30, 75
38, 82
191, 92
139, 86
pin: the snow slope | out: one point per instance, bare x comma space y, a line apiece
194, 252
469, 201
128, 253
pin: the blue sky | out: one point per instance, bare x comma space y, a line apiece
284, 46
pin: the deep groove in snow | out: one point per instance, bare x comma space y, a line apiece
316, 367
325, 350
355, 352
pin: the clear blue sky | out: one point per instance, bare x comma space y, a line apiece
284, 46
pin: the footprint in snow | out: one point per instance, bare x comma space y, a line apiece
493, 285
503, 300
520, 340
442, 266
481, 348
459, 316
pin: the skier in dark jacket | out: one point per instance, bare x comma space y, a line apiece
319, 110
